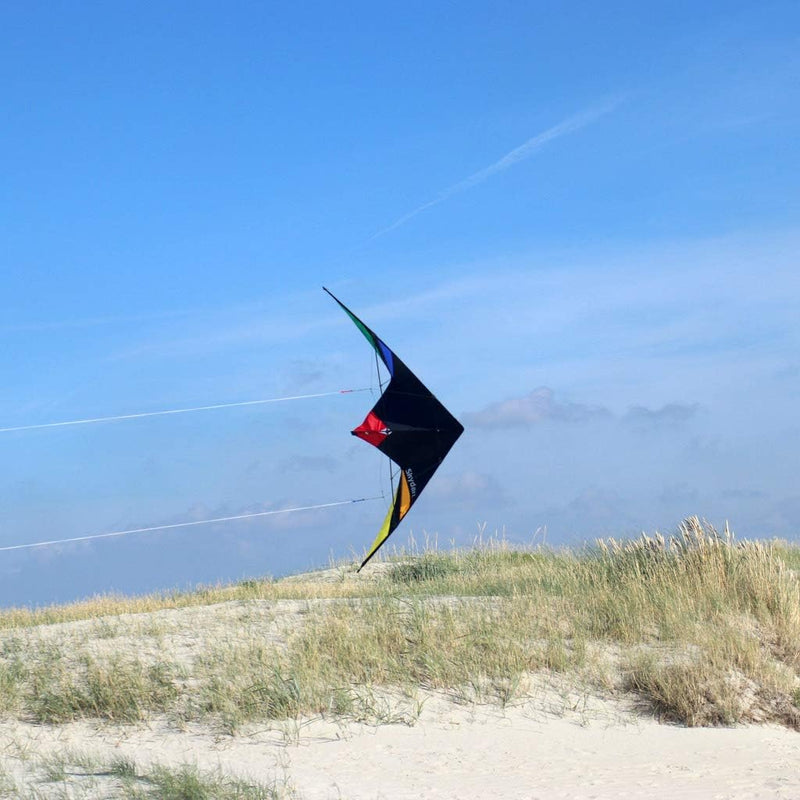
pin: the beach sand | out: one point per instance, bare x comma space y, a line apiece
552, 746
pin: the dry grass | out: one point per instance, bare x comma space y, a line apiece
701, 629
74, 774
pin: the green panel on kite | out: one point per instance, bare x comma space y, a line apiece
368, 334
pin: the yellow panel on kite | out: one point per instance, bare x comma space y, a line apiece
383, 533
400, 507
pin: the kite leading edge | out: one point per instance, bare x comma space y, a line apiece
407, 424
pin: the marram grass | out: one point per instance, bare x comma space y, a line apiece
697, 628
75, 774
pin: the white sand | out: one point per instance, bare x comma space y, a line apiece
534, 750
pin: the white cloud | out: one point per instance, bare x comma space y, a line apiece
530, 409
526, 150
302, 464
468, 489
669, 415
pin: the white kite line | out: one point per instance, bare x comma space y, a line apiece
186, 524
177, 411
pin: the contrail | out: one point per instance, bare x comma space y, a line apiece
535, 143
185, 524
120, 417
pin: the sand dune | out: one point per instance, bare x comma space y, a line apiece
260, 684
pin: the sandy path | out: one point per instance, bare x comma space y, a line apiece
459, 753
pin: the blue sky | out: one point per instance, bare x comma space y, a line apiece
578, 225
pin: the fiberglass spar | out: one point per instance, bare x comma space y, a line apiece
410, 426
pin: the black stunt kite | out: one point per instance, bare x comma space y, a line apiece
410, 426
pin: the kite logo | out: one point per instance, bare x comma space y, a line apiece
411, 482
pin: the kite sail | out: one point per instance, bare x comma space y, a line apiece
410, 426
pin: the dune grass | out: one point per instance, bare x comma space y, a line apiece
698, 628
75, 774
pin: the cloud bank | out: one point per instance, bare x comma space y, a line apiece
537, 406
671, 415
541, 405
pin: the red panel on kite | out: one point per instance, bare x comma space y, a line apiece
372, 430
